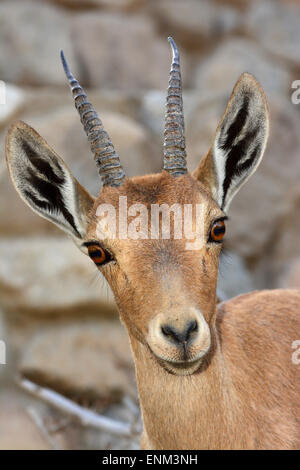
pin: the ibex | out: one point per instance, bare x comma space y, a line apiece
210, 376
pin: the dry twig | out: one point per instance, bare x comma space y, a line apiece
84, 416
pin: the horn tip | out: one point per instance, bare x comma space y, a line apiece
65, 65
175, 51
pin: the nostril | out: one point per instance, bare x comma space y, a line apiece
180, 336
167, 331
170, 333
191, 328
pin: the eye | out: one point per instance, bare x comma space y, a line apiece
98, 254
217, 231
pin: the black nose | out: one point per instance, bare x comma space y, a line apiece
180, 337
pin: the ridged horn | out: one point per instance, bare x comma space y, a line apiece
107, 159
174, 140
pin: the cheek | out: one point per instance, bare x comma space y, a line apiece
130, 300
210, 267
210, 261
204, 285
119, 287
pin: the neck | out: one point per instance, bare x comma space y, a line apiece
174, 405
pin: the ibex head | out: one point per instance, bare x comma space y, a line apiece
166, 293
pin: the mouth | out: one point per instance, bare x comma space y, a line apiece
181, 367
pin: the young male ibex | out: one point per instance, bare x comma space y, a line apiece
209, 376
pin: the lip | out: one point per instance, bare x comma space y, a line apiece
187, 367
180, 367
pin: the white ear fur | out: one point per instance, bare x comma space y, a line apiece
44, 181
239, 143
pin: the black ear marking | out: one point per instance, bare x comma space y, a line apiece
45, 183
239, 142
42, 165
237, 154
51, 193
237, 125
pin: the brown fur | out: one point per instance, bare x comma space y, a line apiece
245, 394
235, 386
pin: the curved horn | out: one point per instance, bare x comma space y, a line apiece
174, 140
107, 159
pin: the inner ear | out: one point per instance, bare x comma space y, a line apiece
44, 181
239, 142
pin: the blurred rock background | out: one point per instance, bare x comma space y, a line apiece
57, 316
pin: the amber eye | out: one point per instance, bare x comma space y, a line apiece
217, 231
98, 254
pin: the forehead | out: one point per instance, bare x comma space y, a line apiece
157, 189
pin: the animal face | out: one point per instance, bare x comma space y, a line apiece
165, 289
163, 276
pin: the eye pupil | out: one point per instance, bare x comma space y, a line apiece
98, 254
218, 231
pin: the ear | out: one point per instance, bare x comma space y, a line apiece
44, 181
239, 143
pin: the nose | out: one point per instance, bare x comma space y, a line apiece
180, 337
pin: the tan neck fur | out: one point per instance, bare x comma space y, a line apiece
186, 412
